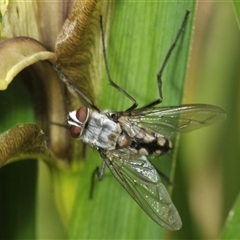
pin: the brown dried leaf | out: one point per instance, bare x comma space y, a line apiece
79, 49
22, 142
73, 31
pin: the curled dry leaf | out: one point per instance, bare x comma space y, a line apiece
22, 141
79, 51
18, 53
77, 22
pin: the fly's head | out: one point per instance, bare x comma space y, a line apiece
77, 120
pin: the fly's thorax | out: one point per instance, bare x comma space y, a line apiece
101, 132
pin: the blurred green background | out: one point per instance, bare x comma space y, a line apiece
206, 184
207, 175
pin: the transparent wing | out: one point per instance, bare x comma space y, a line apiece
168, 120
142, 182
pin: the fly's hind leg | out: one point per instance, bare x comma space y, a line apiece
165, 177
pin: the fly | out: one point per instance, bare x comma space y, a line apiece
125, 139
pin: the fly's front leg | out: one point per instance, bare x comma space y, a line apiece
99, 173
72, 88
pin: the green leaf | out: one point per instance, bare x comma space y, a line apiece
18, 180
140, 36
237, 11
231, 229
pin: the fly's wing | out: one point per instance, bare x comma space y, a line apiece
168, 120
142, 182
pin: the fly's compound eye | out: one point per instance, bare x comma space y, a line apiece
77, 120
75, 131
82, 114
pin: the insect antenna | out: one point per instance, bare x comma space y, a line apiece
112, 83
59, 124
159, 76
72, 88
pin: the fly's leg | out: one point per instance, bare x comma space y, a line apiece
99, 173
112, 83
72, 88
160, 73
95, 172
165, 177
159, 76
